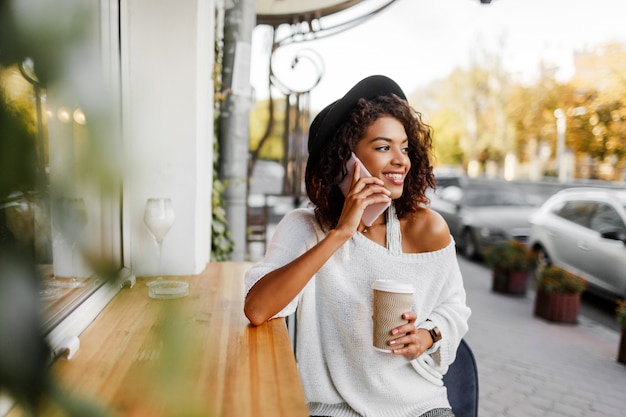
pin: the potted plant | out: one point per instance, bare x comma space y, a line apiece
558, 294
620, 316
511, 262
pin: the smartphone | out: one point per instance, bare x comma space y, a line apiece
372, 211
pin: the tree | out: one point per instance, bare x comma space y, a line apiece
482, 113
447, 137
271, 148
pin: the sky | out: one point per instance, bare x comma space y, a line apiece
418, 41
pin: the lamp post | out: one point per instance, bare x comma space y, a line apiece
560, 143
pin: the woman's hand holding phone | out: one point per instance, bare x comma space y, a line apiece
376, 200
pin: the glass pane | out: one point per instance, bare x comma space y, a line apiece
60, 187
49, 230
605, 218
577, 212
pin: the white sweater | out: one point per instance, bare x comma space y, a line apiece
342, 374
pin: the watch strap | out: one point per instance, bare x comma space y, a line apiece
435, 334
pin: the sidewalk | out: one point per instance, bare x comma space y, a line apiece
531, 367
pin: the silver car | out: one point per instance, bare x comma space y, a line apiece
583, 230
480, 216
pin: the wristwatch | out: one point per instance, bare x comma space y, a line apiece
435, 334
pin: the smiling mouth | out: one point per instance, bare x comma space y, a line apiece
395, 177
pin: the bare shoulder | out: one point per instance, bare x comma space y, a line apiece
424, 231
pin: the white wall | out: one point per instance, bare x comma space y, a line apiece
167, 93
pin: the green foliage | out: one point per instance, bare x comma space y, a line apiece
26, 355
511, 256
483, 107
620, 313
273, 148
18, 150
221, 243
447, 138
553, 279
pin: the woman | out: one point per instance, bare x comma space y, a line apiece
323, 261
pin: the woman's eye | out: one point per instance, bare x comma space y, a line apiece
383, 148
405, 150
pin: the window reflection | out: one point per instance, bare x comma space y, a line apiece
51, 224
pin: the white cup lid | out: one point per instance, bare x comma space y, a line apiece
390, 285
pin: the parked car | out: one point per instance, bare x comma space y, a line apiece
480, 216
583, 230
448, 176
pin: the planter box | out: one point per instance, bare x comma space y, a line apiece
562, 308
510, 282
621, 353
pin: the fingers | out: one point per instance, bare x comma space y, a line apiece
373, 184
363, 192
369, 185
367, 191
410, 316
410, 342
410, 345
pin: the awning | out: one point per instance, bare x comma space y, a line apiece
276, 12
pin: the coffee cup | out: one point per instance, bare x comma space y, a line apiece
391, 299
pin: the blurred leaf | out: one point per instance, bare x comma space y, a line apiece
18, 153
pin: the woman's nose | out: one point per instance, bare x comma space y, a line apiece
399, 157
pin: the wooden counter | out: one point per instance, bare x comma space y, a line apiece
193, 356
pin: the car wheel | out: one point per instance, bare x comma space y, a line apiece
469, 245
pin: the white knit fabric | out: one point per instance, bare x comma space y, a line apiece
341, 373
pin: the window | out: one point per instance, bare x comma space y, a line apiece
577, 212
55, 207
606, 218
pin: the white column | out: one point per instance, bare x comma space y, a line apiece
167, 93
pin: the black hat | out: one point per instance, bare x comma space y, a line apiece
328, 120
